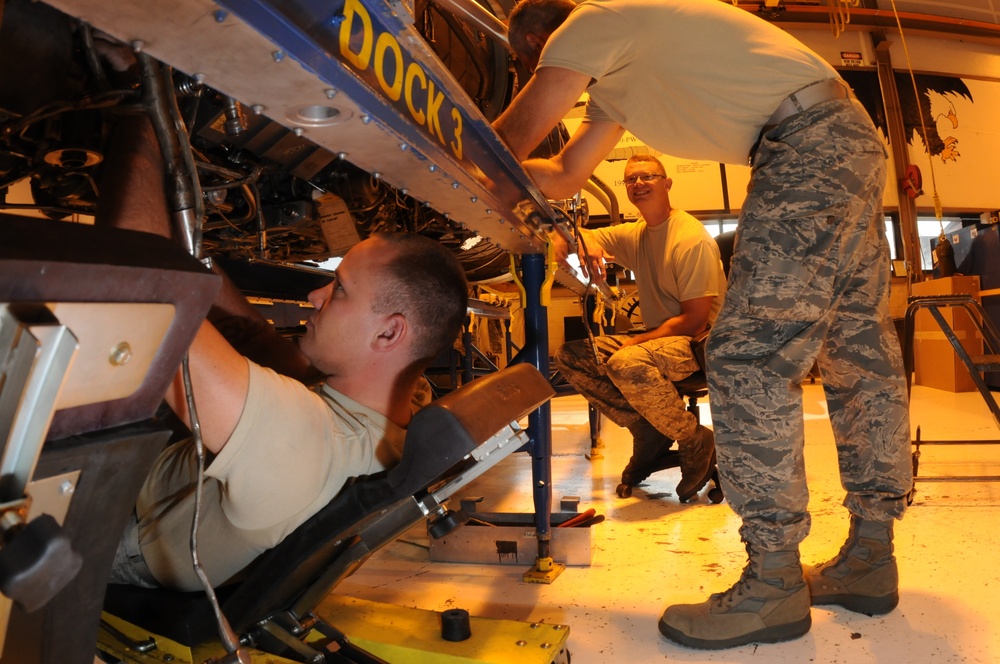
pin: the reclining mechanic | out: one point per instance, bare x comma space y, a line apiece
279, 452
681, 283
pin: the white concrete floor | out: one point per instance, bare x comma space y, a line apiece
652, 551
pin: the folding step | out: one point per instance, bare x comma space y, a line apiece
986, 362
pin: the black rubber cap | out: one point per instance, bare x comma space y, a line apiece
455, 625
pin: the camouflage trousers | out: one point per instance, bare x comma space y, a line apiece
810, 282
632, 383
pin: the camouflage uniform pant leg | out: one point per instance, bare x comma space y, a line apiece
577, 362
865, 386
644, 373
809, 277
632, 383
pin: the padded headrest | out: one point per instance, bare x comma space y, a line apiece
444, 432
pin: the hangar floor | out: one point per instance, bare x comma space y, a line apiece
652, 551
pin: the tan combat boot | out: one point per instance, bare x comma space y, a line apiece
697, 457
769, 603
863, 576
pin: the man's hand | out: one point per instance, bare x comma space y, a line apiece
633, 340
593, 266
591, 255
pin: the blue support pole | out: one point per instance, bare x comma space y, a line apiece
536, 351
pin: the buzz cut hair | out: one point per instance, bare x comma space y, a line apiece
647, 159
424, 281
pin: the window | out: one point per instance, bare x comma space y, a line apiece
717, 226
890, 236
928, 229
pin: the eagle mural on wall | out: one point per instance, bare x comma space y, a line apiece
936, 94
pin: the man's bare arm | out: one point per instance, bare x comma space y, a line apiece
220, 380
539, 107
692, 320
133, 198
565, 174
254, 337
543, 102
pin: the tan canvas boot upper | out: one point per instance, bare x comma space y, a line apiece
863, 577
769, 603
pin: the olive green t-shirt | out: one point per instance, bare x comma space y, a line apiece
290, 454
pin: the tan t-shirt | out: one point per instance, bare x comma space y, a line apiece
674, 261
695, 79
291, 453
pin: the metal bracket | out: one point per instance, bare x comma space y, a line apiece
545, 570
35, 355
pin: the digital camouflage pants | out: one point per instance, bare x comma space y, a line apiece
632, 383
809, 282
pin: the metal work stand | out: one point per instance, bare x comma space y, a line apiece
990, 361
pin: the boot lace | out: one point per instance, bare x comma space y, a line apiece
741, 588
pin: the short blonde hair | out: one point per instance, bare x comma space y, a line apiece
648, 159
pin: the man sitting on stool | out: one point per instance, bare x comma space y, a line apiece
681, 284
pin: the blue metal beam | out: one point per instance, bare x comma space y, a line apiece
372, 54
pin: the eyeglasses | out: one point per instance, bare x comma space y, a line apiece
642, 177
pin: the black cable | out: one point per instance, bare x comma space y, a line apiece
582, 244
